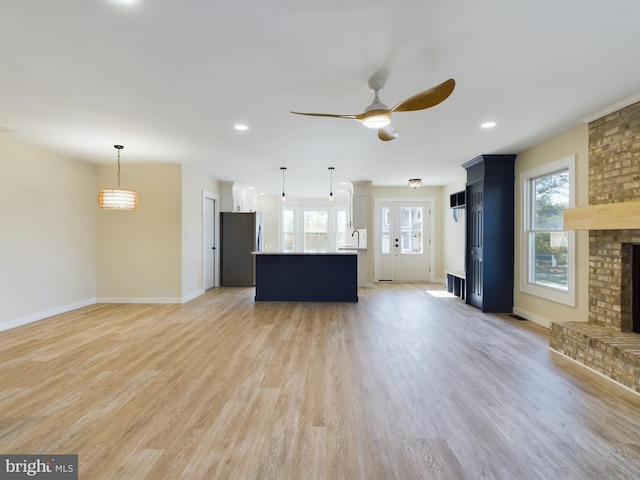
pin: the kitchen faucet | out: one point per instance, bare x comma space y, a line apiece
354, 232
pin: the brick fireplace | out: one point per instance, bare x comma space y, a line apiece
606, 343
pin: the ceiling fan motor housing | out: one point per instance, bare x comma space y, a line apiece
376, 104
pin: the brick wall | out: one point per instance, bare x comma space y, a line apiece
614, 176
606, 343
614, 157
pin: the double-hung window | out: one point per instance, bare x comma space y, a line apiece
547, 261
288, 230
315, 230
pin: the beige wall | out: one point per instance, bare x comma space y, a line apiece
59, 251
47, 233
194, 184
139, 252
453, 234
573, 142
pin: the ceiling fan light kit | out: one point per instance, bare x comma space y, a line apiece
377, 121
378, 116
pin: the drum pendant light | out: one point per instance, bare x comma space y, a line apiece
118, 198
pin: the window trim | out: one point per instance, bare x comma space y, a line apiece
298, 224
566, 297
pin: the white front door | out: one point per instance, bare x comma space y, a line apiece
403, 241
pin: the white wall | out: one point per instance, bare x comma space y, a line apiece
194, 184
47, 233
270, 205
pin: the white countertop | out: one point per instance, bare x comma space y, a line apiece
342, 252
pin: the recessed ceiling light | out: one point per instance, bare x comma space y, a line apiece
241, 127
126, 3
488, 124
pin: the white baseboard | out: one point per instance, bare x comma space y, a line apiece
139, 300
191, 296
17, 322
545, 322
34, 317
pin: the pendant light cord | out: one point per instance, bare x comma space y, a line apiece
118, 148
118, 168
331, 183
283, 170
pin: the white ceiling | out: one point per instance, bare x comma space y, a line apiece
169, 79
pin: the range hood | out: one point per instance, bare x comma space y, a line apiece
609, 216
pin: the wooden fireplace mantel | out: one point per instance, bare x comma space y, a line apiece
610, 216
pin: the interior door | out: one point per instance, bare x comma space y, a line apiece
209, 257
474, 274
403, 248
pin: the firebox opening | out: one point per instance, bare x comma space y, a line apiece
635, 288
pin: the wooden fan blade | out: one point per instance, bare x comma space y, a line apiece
387, 133
428, 98
354, 117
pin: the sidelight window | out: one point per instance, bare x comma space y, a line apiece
385, 228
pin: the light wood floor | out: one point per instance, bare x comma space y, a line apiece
402, 385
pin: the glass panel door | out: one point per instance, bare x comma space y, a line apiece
403, 241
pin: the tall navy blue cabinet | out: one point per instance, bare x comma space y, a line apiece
489, 243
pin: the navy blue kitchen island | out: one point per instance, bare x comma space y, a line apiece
307, 277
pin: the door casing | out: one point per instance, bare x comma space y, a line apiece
210, 240
383, 270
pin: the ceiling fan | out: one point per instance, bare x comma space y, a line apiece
378, 115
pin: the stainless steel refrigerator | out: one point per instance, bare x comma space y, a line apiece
240, 234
